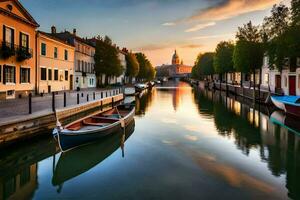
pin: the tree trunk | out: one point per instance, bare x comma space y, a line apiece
259, 84
106, 80
226, 81
254, 85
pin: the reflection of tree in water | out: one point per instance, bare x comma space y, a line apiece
279, 148
143, 102
205, 106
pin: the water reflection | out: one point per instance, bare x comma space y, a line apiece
80, 160
18, 168
252, 128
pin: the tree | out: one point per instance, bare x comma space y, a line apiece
275, 32
249, 52
106, 60
146, 72
295, 10
132, 66
204, 65
223, 62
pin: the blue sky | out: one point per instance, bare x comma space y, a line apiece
155, 27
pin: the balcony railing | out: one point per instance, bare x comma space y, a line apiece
8, 49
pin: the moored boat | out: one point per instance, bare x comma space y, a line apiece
129, 91
140, 87
289, 104
94, 127
289, 122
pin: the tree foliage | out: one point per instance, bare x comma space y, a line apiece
106, 59
146, 72
132, 65
249, 52
223, 62
295, 11
203, 65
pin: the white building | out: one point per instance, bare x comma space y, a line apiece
84, 73
287, 82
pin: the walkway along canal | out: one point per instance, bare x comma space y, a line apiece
186, 143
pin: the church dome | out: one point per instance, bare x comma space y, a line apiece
175, 59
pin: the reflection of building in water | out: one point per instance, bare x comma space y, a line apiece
178, 94
20, 184
253, 129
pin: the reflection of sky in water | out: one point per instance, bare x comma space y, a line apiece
175, 153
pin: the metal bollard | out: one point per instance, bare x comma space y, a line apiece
94, 95
112, 102
77, 98
87, 97
65, 99
101, 105
53, 101
30, 103
101, 95
81, 94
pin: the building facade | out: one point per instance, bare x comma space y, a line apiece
17, 57
286, 82
176, 69
55, 64
84, 63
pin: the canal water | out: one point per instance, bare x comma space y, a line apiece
185, 143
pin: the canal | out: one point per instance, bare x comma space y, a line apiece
185, 143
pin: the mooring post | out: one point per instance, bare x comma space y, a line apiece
30, 103
94, 96
77, 98
53, 101
65, 99
101, 95
101, 106
87, 97
112, 102
82, 94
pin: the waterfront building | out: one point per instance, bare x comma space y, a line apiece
122, 57
17, 57
55, 63
286, 82
176, 69
84, 63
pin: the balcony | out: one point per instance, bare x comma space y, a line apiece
7, 50
23, 53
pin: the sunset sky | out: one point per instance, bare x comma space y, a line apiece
155, 27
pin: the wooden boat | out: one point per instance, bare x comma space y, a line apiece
289, 122
78, 161
129, 91
289, 104
140, 87
94, 127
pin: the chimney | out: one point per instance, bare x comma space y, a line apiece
53, 29
74, 31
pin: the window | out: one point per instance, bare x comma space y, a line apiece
66, 75
25, 75
9, 74
43, 74
82, 66
55, 52
49, 74
0, 73
78, 66
43, 49
266, 79
24, 40
56, 75
9, 35
285, 81
66, 54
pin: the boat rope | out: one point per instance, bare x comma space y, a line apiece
121, 119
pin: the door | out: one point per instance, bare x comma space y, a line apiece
71, 82
277, 81
49, 88
292, 85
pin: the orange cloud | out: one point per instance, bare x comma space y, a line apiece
200, 26
230, 9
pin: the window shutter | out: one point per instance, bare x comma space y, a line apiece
14, 70
12, 37
0, 73
4, 31
20, 75
20, 39
4, 72
27, 41
28, 75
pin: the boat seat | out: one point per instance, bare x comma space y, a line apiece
94, 124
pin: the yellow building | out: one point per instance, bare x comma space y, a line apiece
55, 63
17, 57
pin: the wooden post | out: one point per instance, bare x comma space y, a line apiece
87, 97
30, 103
77, 98
65, 99
53, 101
101, 105
112, 102
101, 95
94, 96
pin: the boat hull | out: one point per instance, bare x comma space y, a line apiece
68, 140
288, 107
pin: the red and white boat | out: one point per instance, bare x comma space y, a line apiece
290, 104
